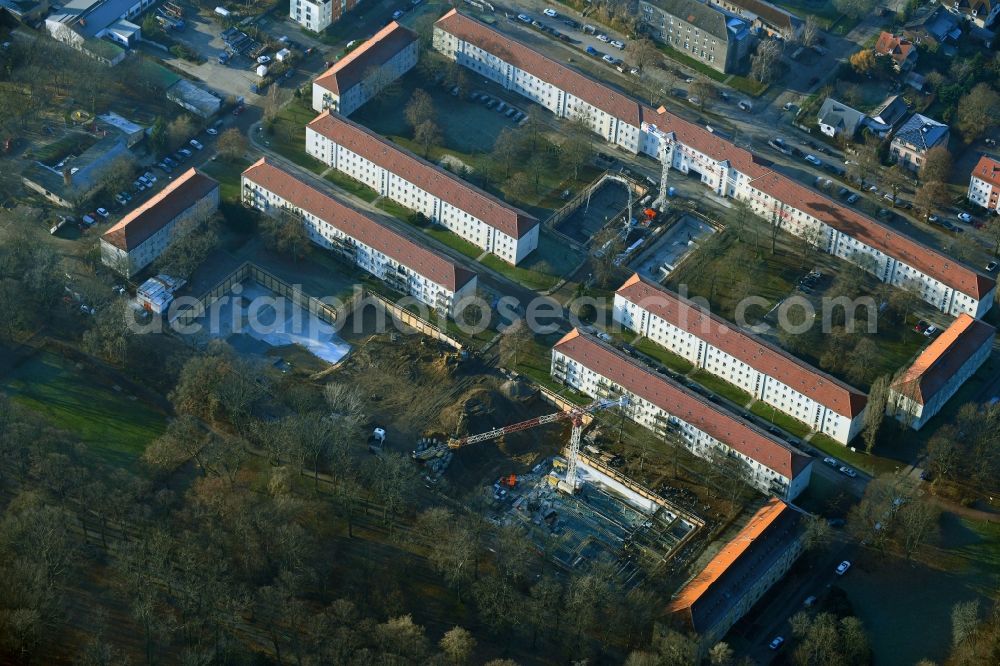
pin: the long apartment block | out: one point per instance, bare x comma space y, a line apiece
767, 373
668, 409
396, 173
368, 243
729, 171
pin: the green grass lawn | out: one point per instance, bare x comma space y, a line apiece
535, 361
228, 174
394, 209
688, 61
115, 429
722, 387
454, 241
357, 188
870, 464
666, 357
287, 134
780, 419
543, 268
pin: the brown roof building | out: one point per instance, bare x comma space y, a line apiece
416, 183
984, 183
362, 73
940, 370
765, 16
658, 403
746, 567
269, 187
730, 352
142, 235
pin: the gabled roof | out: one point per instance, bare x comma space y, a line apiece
355, 66
592, 92
450, 188
367, 230
895, 46
988, 170
682, 403
939, 362
698, 14
922, 132
840, 116
769, 14
884, 239
891, 111
741, 563
746, 347
160, 210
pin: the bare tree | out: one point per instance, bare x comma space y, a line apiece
937, 165
513, 341
810, 31
644, 53
427, 134
232, 145
458, 645
878, 398
764, 63
978, 111
420, 109
704, 91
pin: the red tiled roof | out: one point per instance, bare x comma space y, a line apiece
746, 347
988, 170
593, 92
903, 248
943, 358
600, 95
755, 529
138, 226
369, 231
893, 45
379, 49
450, 188
683, 404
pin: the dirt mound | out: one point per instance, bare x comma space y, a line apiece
518, 390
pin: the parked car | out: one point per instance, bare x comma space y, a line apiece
196, 144
170, 162
931, 331
138, 186
809, 602
103, 212
843, 567
921, 326
185, 152
853, 198
745, 105
263, 60
89, 220
551, 13
992, 266
812, 159
847, 471
618, 44
149, 177
592, 51
524, 18
965, 217
212, 131
397, 14
832, 462
120, 198
603, 38
776, 642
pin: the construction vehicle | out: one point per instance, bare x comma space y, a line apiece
427, 451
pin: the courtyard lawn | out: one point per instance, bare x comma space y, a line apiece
780, 419
874, 465
394, 209
287, 134
722, 387
357, 188
115, 427
454, 241
535, 361
228, 174
668, 358
542, 269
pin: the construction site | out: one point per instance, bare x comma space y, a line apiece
477, 432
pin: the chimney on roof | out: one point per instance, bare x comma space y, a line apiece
67, 174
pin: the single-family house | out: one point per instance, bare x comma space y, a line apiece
902, 51
836, 118
914, 140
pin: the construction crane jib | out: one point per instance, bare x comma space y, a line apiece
664, 155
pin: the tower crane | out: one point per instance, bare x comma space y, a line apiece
664, 153
575, 415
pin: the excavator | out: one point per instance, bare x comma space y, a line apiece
437, 450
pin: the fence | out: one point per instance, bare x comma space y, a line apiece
638, 191
406, 317
250, 271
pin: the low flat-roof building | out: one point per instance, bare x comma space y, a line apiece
367, 70
402, 264
766, 372
140, 237
78, 21
984, 184
197, 100
940, 370
670, 410
741, 573
394, 172
71, 182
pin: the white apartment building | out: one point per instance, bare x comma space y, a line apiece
317, 15
391, 257
984, 184
364, 72
478, 217
940, 370
659, 404
767, 373
726, 169
140, 237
